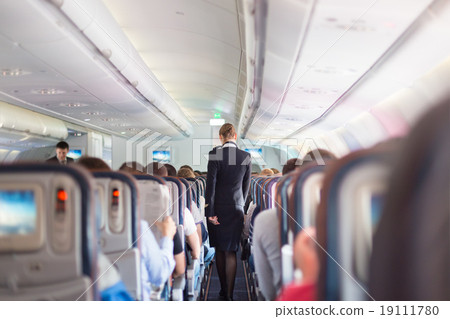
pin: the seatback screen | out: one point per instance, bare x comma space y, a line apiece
18, 212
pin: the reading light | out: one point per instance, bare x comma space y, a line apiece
216, 122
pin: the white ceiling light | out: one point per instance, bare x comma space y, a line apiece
48, 91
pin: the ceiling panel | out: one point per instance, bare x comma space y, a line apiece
345, 39
192, 47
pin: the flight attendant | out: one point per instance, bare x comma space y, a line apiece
227, 185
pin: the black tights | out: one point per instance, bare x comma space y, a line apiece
226, 268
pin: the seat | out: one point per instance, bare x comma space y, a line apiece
48, 238
154, 205
193, 265
119, 226
353, 191
411, 247
177, 204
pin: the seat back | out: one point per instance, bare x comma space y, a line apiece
119, 226
188, 192
48, 245
154, 200
353, 187
411, 251
305, 198
177, 202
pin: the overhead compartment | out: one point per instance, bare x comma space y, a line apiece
107, 36
22, 120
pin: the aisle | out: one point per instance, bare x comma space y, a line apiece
240, 286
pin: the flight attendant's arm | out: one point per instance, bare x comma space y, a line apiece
211, 179
247, 179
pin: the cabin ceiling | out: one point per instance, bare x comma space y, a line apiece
325, 61
192, 47
343, 41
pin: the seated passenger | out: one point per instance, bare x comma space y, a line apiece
197, 173
307, 267
171, 171
186, 172
178, 254
157, 260
266, 236
156, 169
132, 167
110, 285
93, 164
157, 269
266, 172
188, 167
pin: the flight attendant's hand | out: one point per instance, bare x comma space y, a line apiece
214, 220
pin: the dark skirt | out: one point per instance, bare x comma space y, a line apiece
226, 236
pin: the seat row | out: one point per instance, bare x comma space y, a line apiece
57, 223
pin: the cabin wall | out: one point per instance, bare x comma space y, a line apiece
118, 154
192, 151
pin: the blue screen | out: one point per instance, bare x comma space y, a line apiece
75, 154
18, 212
161, 156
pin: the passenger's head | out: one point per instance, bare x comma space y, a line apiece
197, 173
62, 148
171, 170
131, 167
187, 166
318, 156
156, 169
275, 171
93, 163
227, 133
185, 173
290, 165
305, 254
266, 172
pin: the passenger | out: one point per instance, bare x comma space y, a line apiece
93, 164
197, 173
266, 237
188, 167
171, 171
156, 169
178, 251
110, 285
227, 186
185, 172
266, 172
157, 268
179, 256
320, 156
157, 260
275, 171
132, 167
62, 148
306, 261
